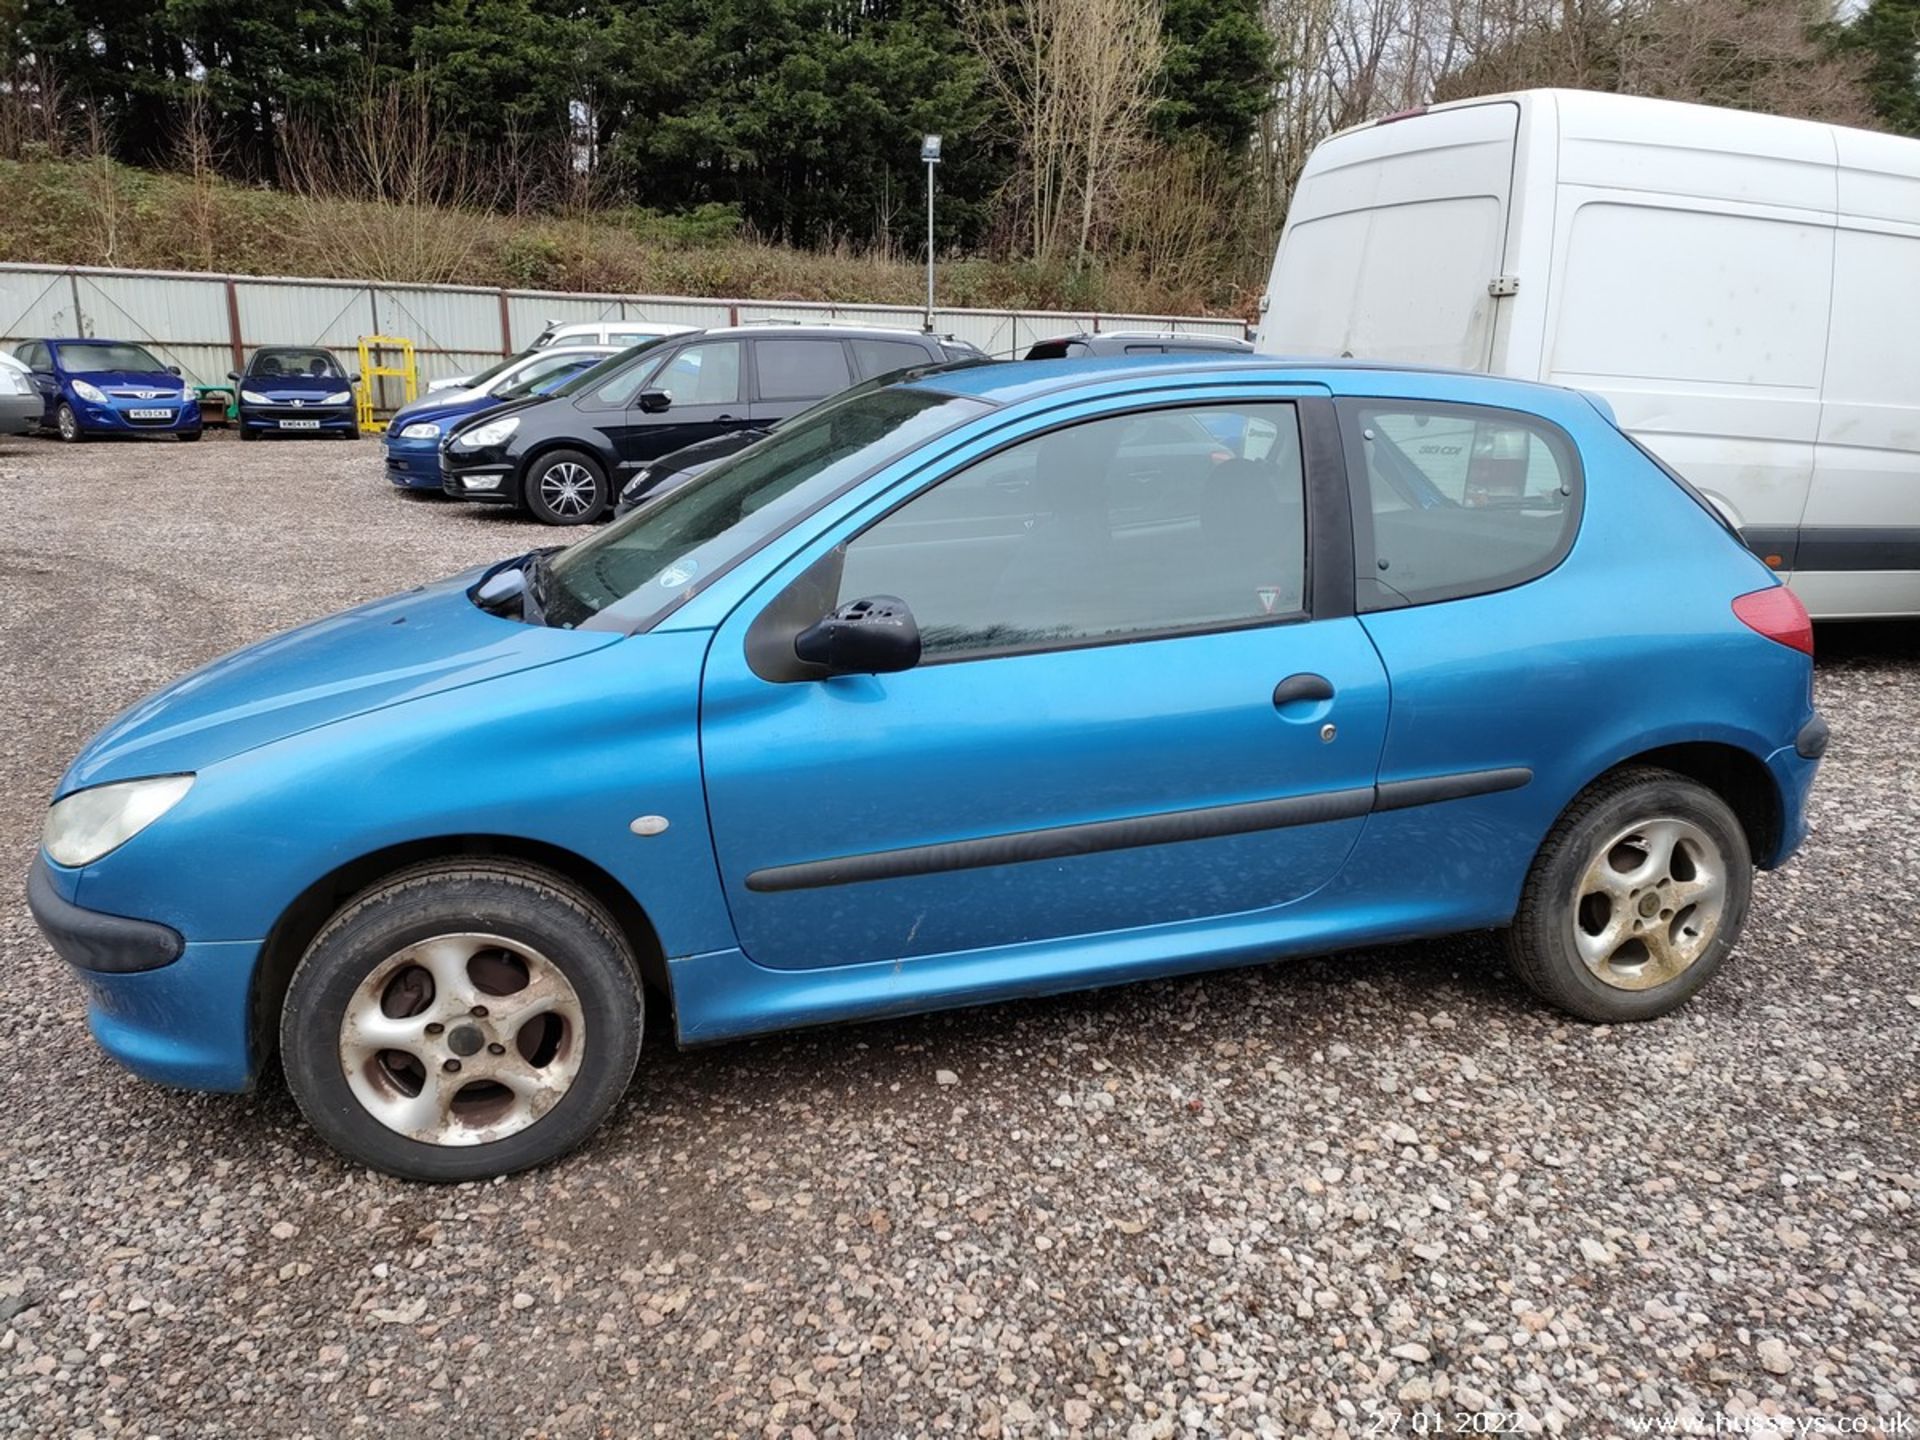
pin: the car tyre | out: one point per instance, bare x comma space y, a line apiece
249, 434
449, 945
1635, 899
66, 424
190, 435
566, 487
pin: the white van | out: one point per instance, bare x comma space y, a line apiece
1744, 291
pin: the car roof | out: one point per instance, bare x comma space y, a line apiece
826, 330
1008, 382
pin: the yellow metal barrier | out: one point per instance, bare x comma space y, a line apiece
372, 349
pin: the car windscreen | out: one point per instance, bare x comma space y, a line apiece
663, 553
315, 364
543, 377
97, 359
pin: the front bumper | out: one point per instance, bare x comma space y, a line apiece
413, 464
484, 475
173, 1011
115, 417
20, 414
298, 419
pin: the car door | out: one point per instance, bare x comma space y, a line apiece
1122, 719
791, 373
708, 397
38, 357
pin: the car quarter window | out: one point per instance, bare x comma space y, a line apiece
800, 369
1123, 527
877, 357
1455, 500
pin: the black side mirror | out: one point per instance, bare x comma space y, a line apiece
173, 369
873, 636
233, 375
354, 379
653, 402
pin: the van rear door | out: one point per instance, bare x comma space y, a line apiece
1394, 233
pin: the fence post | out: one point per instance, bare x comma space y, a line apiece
233, 327
73, 284
506, 326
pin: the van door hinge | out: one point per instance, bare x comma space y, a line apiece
1501, 285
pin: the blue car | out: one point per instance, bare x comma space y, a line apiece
992, 683
414, 434
296, 391
91, 388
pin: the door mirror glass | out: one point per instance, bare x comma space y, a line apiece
873, 636
655, 402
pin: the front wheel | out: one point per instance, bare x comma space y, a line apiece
566, 487
67, 424
1636, 898
464, 1019
191, 435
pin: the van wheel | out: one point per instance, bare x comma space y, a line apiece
462, 1020
566, 487
1636, 898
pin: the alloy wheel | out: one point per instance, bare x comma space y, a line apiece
462, 1039
568, 488
1650, 903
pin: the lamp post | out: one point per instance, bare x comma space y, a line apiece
930, 153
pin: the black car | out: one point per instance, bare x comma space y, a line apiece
1136, 342
671, 471
564, 458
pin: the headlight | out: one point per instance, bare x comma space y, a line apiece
339, 397
88, 823
491, 433
425, 430
254, 397
14, 382
89, 392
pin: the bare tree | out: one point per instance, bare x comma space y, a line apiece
1077, 78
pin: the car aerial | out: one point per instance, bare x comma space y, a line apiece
91, 388
616, 334
20, 404
564, 459
298, 391
413, 434
993, 683
1135, 342
671, 471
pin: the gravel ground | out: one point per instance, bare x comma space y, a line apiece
1366, 1195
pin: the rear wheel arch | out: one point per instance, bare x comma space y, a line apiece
309, 913
1737, 776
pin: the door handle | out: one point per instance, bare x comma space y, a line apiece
1305, 686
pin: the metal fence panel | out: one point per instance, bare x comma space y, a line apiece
198, 320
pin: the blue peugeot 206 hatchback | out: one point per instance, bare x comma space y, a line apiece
990, 683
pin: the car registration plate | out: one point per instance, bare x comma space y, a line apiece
299, 424
150, 414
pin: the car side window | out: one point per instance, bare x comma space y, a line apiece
1125, 527
704, 374
800, 369
1455, 500
877, 357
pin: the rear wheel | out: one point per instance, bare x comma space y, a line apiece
462, 1020
1636, 898
566, 487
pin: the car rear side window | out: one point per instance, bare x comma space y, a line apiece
1134, 526
877, 357
800, 369
1455, 500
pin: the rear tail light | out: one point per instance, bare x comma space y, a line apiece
1777, 614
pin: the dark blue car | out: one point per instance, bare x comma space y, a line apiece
413, 435
990, 683
108, 387
296, 390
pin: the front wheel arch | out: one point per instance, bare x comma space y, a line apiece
304, 918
